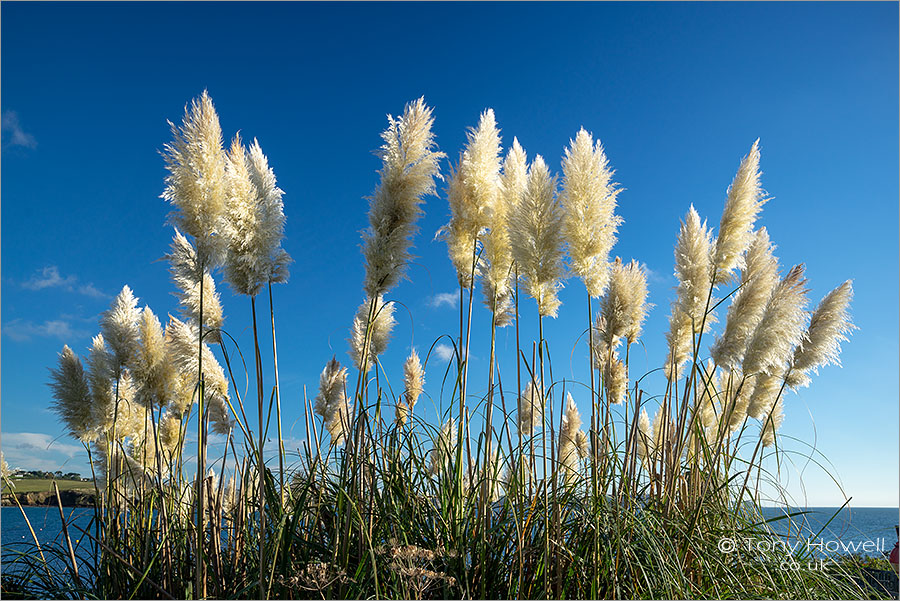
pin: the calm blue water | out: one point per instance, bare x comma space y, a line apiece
15, 535
865, 530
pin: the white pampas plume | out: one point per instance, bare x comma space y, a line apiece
414, 382
644, 437
5, 472
739, 401
101, 376
151, 365
531, 408
497, 252
572, 441
254, 221
443, 447
169, 432
72, 396
772, 424
821, 344
758, 278
693, 271
535, 232
409, 166
120, 327
196, 181
181, 339
765, 390
615, 378
332, 403
781, 327
601, 348
379, 332
624, 307
184, 265
588, 198
745, 201
472, 192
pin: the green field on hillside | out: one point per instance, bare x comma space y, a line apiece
40, 485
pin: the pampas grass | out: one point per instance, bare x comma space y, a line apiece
409, 168
536, 235
535, 504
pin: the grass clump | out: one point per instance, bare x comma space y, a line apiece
513, 494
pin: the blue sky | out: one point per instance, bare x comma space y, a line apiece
676, 92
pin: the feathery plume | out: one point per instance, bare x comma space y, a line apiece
615, 377
709, 410
409, 166
692, 268
781, 327
572, 442
254, 221
181, 339
759, 277
332, 403
443, 448
151, 365
120, 327
5, 472
379, 332
745, 201
196, 181
531, 408
169, 432
184, 265
601, 349
739, 401
588, 198
413, 378
772, 424
644, 437
765, 391
401, 412
497, 252
821, 344
101, 375
472, 193
535, 232
624, 307
72, 396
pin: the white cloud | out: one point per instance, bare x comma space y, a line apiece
13, 134
21, 330
444, 352
49, 277
440, 299
35, 451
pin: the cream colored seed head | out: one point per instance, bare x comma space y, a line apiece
409, 166
589, 200
196, 181
536, 237
745, 201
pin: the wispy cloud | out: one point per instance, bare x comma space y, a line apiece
444, 352
36, 451
23, 329
441, 299
49, 277
13, 134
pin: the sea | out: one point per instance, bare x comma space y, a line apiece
830, 531
835, 531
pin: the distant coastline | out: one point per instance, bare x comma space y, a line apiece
69, 498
